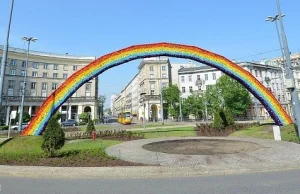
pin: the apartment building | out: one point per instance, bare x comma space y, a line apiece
141, 96
45, 73
196, 79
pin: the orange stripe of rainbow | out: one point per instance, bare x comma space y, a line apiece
58, 97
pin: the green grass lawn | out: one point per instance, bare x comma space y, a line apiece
288, 133
169, 132
32, 144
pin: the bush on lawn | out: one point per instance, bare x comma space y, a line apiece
90, 127
54, 136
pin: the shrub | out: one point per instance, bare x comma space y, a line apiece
84, 116
218, 122
54, 136
229, 117
26, 117
96, 121
3, 128
82, 123
90, 127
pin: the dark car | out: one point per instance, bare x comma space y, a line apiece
70, 122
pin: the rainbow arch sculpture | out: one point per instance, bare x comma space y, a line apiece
59, 96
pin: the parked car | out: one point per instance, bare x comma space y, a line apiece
68, 123
16, 127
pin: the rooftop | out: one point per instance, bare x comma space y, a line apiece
47, 54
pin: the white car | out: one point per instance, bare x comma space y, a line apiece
16, 127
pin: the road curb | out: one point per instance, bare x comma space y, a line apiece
125, 172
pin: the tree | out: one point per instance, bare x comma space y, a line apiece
193, 105
26, 117
90, 127
101, 101
227, 94
54, 136
108, 111
84, 117
235, 97
171, 97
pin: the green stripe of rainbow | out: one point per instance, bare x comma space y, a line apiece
58, 97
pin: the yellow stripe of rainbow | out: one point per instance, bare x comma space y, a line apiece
58, 97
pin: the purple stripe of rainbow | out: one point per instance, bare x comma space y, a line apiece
58, 97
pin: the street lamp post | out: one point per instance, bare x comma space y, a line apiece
4, 56
144, 105
24, 81
290, 82
161, 96
180, 110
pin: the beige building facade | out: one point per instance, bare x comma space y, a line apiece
141, 96
45, 73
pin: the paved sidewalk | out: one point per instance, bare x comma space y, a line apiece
271, 154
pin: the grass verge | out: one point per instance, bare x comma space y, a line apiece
169, 132
288, 133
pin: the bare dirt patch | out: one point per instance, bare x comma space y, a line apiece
201, 147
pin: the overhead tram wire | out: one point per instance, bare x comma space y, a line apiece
257, 54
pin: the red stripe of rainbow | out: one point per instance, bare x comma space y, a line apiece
58, 97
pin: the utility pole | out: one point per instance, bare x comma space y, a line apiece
4, 57
180, 110
161, 96
290, 82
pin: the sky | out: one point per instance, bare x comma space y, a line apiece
233, 28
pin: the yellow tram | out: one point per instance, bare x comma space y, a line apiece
124, 118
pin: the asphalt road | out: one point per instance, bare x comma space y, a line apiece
258, 183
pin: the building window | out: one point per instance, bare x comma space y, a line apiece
46, 66
191, 89
256, 73
151, 76
206, 76
55, 75
87, 89
214, 76
55, 67
163, 68
198, 77
190, 78
34, 74
11, 84
152, 89
65, 75
260, 75
164, 75
13, 62
32, 92
151, 68
12, 72
44, 86
182, 79
66, 67
33, 85
23, 73
164, 85
24, 64
199, 87
74, 67
45, 75
35, 65
44, 93
183, 89
54, 86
